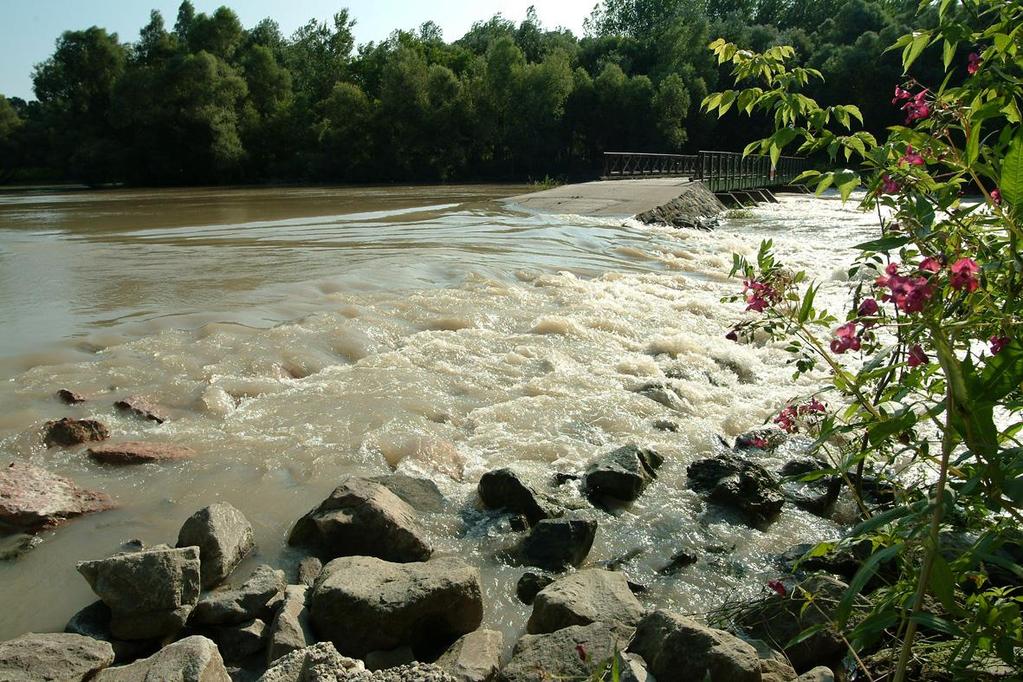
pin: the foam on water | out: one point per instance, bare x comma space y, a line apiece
526, 352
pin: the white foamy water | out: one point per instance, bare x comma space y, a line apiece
299, 335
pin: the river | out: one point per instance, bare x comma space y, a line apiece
297, 335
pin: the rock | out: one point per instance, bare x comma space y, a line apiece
94, 621
844, 562
68, 432
679, 648
417, 672
476, 657
761, 439
290, 629
530, 584
563, 477
318, 663
309, 570
382, 660
555, 544
254, 599
774, 667
150, 593
632, 668
585, 597
503, 489
141, 407
364, 604
193, 659
421, 494
733, 481
64, 657
817, 496
224, 538
134, 452
696, 208
818, 674
238, 642
777, 621
13, 546
667, 425
663, 394
33, 499
363, 518
556, 655
621, 475
678, 561
69, 397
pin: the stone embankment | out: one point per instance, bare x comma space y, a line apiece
375, 600
695, 207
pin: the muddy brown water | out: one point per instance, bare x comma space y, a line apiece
298, 335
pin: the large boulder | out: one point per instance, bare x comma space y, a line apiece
317, 663
421, 494
150, 593
589, 596
137, 452
476, 657
193, 659
679, 648
69, 432
256, 598
810, 604
572, 653
621, 475
774, 667
290, 629
555, 544
816, 496
503, 489
530, 584
733, 481
364, 604
33, 499
363, 518
64, 657
223, 536
238, 642
93, 621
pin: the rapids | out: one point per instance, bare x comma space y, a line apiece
298, 335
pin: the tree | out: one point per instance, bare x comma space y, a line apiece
10, 124
671, 108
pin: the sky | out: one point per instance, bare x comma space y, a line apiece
29, 28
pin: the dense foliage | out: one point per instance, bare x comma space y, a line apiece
207, 100
926, 363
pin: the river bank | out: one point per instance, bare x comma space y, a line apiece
440, 336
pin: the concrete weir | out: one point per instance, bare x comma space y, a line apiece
672, 201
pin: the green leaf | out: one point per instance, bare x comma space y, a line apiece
862, 577
807, 308
846, 181
920, 41
884, 244
1011, 183
943, 584
881, 431
949, 53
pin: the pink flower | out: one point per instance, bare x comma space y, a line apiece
786, 419
998, 343
759, 443
845, 339
930, 265
813, 407
917, 108
909, 294
996, 196
759, 295
868, 308
888, 185
964, 275
901, 95
917, 356
778, 586
973, 63
912, 158
581, 650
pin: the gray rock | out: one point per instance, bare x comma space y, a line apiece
142, 408
530, 584
774, 667
695, 208
193, 659
64, 657
364, 604
318, 663
555, 544
309, 570
622, 474
632, 668
224, 538
33, 499
475, 657
767, 439
290, 629
817, 496
777, 621
678, 561
363, 518
238, 642
69, 397
94, 621
150, 593
572, 653
383, 660
68, 432
679, 648
589, 596
421, 494
503, 489
416, 672
733, 481
818, 674
250, 601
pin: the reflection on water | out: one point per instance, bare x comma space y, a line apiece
298, 335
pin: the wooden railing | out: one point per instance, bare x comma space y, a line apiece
720, 171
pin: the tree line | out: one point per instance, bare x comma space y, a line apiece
209, 101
